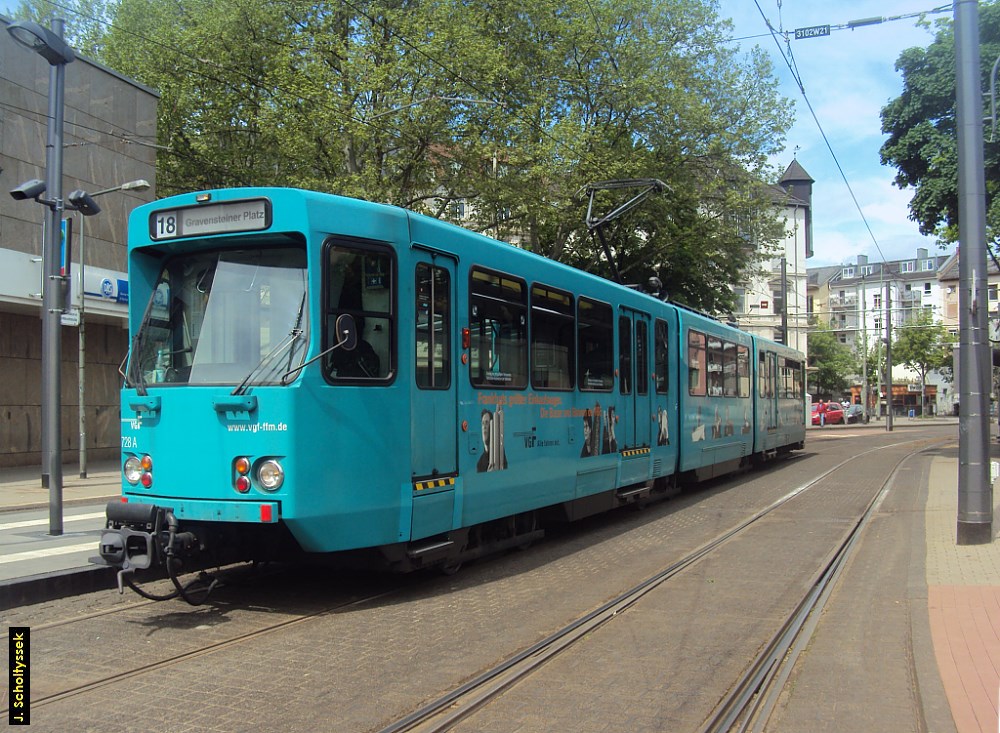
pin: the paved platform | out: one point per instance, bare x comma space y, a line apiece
962, 582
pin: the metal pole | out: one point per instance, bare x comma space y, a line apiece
888, 355
82, 360
865, 396
975, 492
784, 302
52, 295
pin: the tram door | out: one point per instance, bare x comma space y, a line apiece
769, 389
634, 386
433, 404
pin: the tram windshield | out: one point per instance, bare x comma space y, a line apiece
224, 317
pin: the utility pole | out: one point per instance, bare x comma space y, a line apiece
975, 492
888, 355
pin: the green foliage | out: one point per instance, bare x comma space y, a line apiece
922, 142
831, 363
923, 345
510, 108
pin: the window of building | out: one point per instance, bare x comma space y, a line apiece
929, 265
908, 266
927, 288
848, 273
877, 300
498, 326
866, 270
552, 327
991, 291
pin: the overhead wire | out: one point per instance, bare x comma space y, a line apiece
789, 60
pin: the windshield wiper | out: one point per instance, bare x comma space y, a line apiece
135, 367
285, 343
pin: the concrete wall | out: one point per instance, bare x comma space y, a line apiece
109, 139
20, 390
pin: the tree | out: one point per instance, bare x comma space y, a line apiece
923, 346
508, 109
922, 142
830, 361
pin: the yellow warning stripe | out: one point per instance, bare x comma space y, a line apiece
635, 452
435, 484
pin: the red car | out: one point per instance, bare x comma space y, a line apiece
834, 414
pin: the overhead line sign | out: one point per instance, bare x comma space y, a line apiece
814, 31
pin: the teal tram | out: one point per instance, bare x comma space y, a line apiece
316, 374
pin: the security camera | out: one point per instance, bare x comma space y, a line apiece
28, 190
84, 202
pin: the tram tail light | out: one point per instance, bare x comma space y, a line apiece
241, 467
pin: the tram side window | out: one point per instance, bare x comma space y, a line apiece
791, 372
765, 377
625, 354
697, 383
729, 380
743, 370
498, 324
595, 345
433, 327
662, 361
715, 358
552, 326
359, 282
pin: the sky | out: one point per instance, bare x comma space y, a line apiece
848, 77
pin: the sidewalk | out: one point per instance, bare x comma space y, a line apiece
21, 488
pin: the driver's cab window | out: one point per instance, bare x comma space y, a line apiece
359, 283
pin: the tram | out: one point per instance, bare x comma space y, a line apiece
310, 373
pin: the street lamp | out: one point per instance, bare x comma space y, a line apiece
49, 44
83, 202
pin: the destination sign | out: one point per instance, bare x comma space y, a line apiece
222, 218
813, 31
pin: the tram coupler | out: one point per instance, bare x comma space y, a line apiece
138, 536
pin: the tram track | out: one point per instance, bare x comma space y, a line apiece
475, 694
753, 696
192, 654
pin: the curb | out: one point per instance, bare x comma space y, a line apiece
52, 586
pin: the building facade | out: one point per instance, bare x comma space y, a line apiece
109, 140
773, 302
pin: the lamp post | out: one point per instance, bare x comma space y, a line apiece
49, 44
137, 185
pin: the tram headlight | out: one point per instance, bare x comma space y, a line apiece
270, 475
132, 470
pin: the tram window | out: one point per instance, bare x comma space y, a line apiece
641, 360
697, 383
498, 323
743, 370
359, 282
729, 379
432, 320
625, 354
595, 344
715, 358
662, 353
765, 384
552, 325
